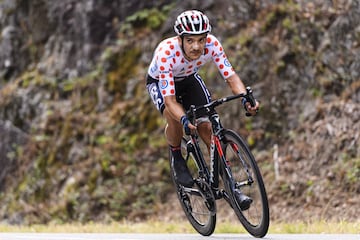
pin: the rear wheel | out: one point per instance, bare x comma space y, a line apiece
248, 179
197, 202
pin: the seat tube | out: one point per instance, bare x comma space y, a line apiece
214, 164
199, 158
215, 147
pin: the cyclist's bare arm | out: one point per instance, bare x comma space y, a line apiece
175, 109
237, 87
235, 84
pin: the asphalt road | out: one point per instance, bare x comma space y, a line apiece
123, 236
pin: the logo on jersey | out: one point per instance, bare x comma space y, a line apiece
154, 68
209, 44
163, 84
171, 56
155, 95
227, 63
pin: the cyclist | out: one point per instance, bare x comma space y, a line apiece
174, 84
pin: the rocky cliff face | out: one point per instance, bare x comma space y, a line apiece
60, 39
81, 140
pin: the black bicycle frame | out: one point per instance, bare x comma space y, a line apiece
219, 157
216, 154
216, 150
194, 148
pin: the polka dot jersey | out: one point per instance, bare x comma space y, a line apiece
169, 62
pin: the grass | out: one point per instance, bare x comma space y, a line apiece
185, 227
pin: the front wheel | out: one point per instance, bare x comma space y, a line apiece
246, 178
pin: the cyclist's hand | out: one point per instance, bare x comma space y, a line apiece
188, 127
252, 111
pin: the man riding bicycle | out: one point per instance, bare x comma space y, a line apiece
174, 84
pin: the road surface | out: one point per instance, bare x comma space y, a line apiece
123, 236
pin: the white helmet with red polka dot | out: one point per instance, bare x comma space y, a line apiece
192, 22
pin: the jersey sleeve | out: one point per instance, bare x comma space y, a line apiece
219, 57
166, 78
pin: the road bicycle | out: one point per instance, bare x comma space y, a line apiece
232, 161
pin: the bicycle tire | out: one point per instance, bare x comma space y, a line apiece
256, 219
198, 202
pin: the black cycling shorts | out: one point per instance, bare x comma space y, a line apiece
189, 91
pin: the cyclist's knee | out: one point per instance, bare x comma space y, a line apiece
173, 123
204, 129
173, 130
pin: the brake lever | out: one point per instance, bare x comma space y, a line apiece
191, 113
250, 98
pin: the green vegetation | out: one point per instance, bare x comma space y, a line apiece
151, 18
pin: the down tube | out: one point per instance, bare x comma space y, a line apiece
227, 176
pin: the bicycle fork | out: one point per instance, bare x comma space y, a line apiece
249, 180
229, 182
224, 170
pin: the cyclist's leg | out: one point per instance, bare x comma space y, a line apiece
204, 129
173, 130
173, 133
196, 93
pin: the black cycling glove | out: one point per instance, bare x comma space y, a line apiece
185, 122
244, 101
